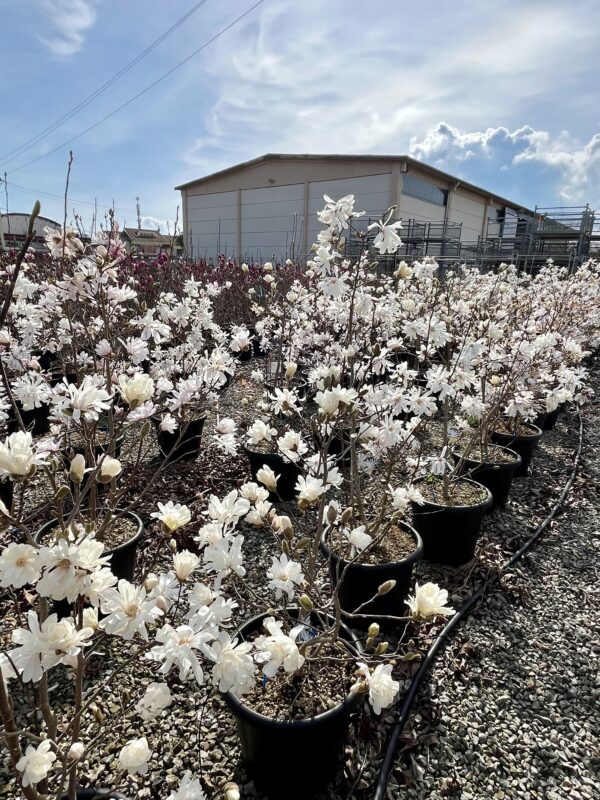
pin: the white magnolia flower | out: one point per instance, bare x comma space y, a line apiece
103, 348
180, 646
278, 649
128, 611
234, 669
87, 400
43, 646
359, 539
223, 557
18, 456
36, 763
168, 423
184, 563
229, 510
156, 698
402, 497
284, 575
387, 240
253, 492
260, 432
267, 477
383, 689
134, 756
309, 489
172, 515
189, 787
136, 389
110, 468
19, 565
429, 601
71, 567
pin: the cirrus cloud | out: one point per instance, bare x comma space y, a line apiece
70, 21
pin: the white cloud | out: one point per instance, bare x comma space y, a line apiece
314, 91
575, 165
69, 22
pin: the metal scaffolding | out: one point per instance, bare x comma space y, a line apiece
567, 235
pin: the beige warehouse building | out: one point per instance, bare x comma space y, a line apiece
267, 207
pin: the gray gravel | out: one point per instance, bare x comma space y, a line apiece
511, 708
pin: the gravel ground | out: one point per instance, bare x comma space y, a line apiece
508, 707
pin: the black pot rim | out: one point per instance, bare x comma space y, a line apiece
39, 534
535, 434
250, 715
415, 556
516, 461
483, 503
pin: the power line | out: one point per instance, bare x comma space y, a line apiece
8, 157
19, 188
146, 89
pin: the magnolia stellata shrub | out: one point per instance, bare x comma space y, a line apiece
359, 368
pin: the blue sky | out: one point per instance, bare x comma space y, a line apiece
503, 94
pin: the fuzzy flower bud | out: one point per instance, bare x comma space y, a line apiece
386, 587
76, 750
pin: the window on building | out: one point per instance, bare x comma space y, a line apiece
423, 190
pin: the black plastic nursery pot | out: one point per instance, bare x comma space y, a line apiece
245, 355
257, 350
497, 476
184, 446
122, 557
35, 420
450, 533
287, 471
7, 491
547, 421
360, 582
523, 444
270, 747
339, 445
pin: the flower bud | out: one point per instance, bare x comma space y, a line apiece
109, 469
145, 429
62, 492
161, 603
77, 468
231, 791
331, 514
150, 582
381, 648
347, 515
245, 267
97, 714
290, 370
76, 750
303, 543
173, 546
386, 587
373, 630
306, 602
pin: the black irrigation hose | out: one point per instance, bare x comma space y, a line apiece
464, 611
